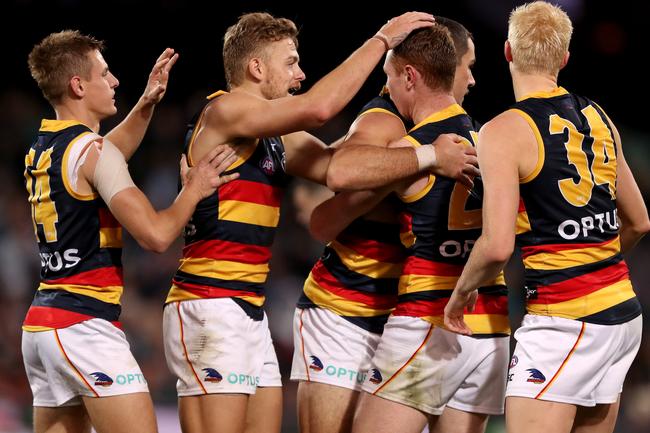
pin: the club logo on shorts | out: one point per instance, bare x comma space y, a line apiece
316, 363
375, 376
102, 379
212, 375
536, 376
267, 166
513, 361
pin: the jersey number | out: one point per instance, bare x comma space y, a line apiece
603, 166
38, 187
459, 218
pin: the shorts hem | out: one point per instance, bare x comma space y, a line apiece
417, 406
296, 378
552, 397
476, 409
200, 392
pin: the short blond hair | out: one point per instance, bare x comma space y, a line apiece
539, 34
245, 39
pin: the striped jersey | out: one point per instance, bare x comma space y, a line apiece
567, 226
228, 239
439, 225
79, 240
357, 275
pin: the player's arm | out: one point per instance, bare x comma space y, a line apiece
128, 135
333, 215
248, 116
307, 156
448, 156
630, 206
502, 143
105, 169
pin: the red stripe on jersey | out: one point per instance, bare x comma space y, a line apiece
419, 266
211, 292
581, 286
554, 248
327, 281
405, 222
102, 277
436, 307
106, 219
225, 250
56, 318
522, 206
380, 251
251, 192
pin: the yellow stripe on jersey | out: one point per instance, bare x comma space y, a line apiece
574, 257
365, 265
258, 301
438, 116
478, 323
339, 305
50, 125
110, 237
587, 305
381, 111
225, 269
109, 294
35, 328
424, 283
249, 213
523, 223
66, 175
178, 294
541, 154
418, 195
407, 239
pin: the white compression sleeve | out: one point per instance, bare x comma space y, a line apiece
111, 172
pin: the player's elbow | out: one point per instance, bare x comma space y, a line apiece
318, 230
638, 229
338, 177
499, 251
154, 242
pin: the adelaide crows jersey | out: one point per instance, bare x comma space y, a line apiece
567, 225
439, 225
79, 241
228, 239
357, 275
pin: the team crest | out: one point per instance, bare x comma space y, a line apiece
102, 379
212, 375
536, 376
316, 363
375, 376
267, 165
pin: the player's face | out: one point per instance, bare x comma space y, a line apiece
395, 83
283, 74
100, 88
464, 79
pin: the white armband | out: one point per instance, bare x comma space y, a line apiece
426, 157
111, 172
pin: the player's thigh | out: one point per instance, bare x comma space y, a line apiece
378, 415
598, 419
129, 413
213, 413
66, 419
264, 413
529, 415
325, 408
458, 421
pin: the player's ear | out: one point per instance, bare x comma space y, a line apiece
256, 68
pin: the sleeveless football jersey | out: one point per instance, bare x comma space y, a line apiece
228, 239
357, 275
567, 226
79, 241
440, 225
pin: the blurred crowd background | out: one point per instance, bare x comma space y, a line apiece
607, 51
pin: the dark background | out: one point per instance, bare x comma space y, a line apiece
608, 46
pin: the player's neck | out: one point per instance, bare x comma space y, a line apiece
525, 84
79, 113
426, 105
